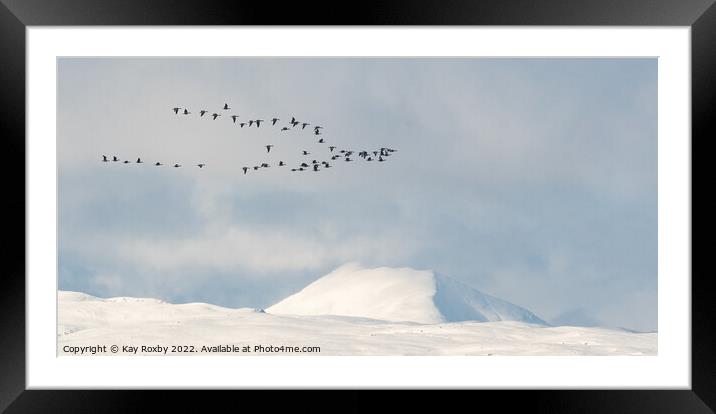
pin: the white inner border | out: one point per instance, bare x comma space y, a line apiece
670, 369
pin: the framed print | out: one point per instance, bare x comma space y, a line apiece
451, 200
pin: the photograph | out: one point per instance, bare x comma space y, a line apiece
357, 206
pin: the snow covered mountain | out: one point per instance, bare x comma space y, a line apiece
399, 294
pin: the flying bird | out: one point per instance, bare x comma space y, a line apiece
315, 167
242, 124
114, 158
331, 148
176, 110
186, 112
215, 115
281, 164
317, 132
264, 165
126, 161
268, 148
321, 141
177, 165
201, 165
104, 158
305, 152
284, 129
158, 164
303, 125
273, 121
139, 161
226, 107
258, 123
234, 117
245, 169
256, 167
251, 122
202, 112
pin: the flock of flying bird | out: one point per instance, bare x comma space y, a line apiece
379, 155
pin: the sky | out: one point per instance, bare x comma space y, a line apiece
533, 180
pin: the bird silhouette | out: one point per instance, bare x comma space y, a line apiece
200, 165
258, 123
317, 132
321, 141
215, 115
315, 167
303, 164
380, 159
274, 120
245, 169
177, 165
234, 117
256, 167
186, 112
202, 112
251, 122
139, 161
317, 127
176, 110
242, 124
104, 158
226, 107
126, 161
114, 158
305, 152
331, 148
158, 164
303, 125
281, 164
264, 165
268, 148
284, 129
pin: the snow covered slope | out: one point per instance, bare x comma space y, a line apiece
402, 294
132, 324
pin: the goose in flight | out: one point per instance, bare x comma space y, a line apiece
317, 127
176, 110
305, 152
268, 148
264, 165
139, 161
104, 158
274, 120
284, 129
256, 167
234, 117
317, 132
369, 159
186, 112
303, 125
245, 169
321, 141
215, 115
251, 122
281, 164
126, 161
177, 165
114, 158
348, 159
331, 148
258, 123
200, 165
158, 164
242, 124
380, 159
226, 107
303, 164
315, 167
203, 112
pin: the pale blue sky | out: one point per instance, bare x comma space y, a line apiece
534, 180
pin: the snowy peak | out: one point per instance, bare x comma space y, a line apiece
399, 294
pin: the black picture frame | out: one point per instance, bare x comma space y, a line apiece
15, 15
